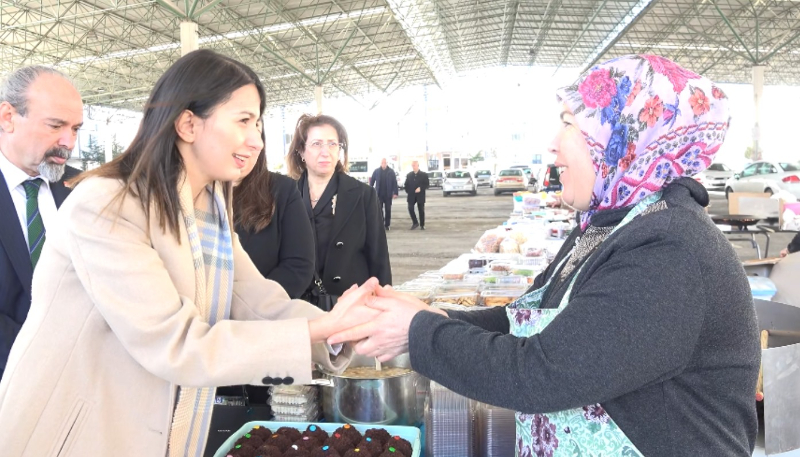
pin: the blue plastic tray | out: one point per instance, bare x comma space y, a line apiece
410, 434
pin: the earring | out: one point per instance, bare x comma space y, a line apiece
303, 159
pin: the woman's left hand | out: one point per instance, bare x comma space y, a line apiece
386, 336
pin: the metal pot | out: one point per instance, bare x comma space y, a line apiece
397, 400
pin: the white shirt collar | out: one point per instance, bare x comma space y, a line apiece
13, 175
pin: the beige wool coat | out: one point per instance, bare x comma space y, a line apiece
113, 330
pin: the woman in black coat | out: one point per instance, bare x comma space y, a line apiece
273, 226
350, 240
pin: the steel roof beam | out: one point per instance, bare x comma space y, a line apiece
508, 33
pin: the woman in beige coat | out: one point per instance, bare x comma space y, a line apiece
146, 300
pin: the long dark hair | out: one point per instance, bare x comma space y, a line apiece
253, 202
294, 161
150, 167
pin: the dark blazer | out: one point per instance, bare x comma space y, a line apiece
284, 250
411, 184
357, 248
386, 188
15, 265
794, 245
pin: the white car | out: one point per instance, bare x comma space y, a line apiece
459, 181
766, 177
715, 176
483, 177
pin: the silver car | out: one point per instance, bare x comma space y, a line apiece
459, 181
766, 177
715, 176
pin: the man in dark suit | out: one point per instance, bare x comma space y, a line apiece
385, 183
40, 114
416, 184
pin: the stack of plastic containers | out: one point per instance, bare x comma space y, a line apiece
295, 403
449, 424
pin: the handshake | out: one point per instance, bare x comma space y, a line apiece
376, 319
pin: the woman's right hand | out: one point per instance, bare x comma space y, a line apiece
350, 311
785, 252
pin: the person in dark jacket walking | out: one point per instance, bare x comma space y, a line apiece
416, 184
640, 338
385, 183
345, 218
794, 246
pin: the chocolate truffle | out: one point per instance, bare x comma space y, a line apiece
401, 445
378, 434
292, 433
340, 443
316, 433
357, 452
268, 451
279, 441
307, 442
350, 433
242, 450
372, 445
392, 452
296, 451
325, 451
261, 431
249, 439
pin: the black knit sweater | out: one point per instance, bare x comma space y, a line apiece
660, 330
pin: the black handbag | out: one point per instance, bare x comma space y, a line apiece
318, 296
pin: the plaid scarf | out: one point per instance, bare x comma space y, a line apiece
212, 250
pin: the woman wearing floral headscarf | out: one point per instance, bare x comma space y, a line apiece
640, 339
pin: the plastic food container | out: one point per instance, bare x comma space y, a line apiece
410, 434
505, 280
421, 293
500, 297
463, 299
525, 270
540, 261
499, 266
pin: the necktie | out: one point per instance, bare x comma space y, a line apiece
34, 218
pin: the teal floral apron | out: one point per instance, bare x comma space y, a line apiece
587, 431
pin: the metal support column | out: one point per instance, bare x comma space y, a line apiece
758, 91
189, 37
318, 97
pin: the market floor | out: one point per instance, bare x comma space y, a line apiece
453, 225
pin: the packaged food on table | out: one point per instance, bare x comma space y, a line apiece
525, 270
477, 262
505, 280
431, 274
509, 246
537, 262
532, 248
490, 241
500, 266
474, 278
500, 297
420, 293
453, 307
458, 299
531, 202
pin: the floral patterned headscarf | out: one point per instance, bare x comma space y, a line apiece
648, 122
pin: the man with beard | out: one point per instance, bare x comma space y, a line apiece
40, 114
385, 183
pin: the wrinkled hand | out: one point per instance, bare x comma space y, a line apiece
785, 252
386, 335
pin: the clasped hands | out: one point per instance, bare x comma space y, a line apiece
376, 319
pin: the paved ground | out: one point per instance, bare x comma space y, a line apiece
456, 222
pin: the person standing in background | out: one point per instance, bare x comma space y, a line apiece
416, 184
40, 114
384, 181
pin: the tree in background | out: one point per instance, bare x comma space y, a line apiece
116, 148
93, 155
749, 155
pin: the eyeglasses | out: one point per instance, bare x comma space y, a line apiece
332, 147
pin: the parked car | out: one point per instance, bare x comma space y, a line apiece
510, 180
435, 179
715, 176
767, 177
549, 179
459, 181
528, 173
483, 177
